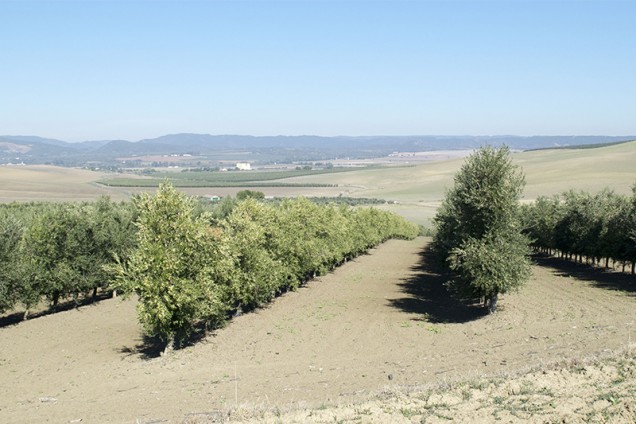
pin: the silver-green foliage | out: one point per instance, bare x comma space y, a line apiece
10, 235
180, 268
190, 268
58, 250
576, 224
258, 275
478, 227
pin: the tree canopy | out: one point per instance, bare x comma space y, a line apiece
191, 268
478, 230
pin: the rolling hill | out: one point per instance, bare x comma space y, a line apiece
418, 190
265, 149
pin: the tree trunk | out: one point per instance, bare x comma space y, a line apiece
492, 303
633, 266
26, 315
606, 263
169, 346
94, 294
114, 294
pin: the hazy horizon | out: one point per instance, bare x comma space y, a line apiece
626, 136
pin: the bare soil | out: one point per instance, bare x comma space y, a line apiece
381, 322
598, 390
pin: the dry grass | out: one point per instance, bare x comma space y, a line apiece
599, 388
547, 172
42, 182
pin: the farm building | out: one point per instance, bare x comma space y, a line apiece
244, 166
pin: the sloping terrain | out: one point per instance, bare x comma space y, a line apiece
38, 150
547, 172
597, 390
51, 183
381, 321
420, 189
417, 189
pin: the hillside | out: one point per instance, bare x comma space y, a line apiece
211, 149
418, 189
553, 171
43, 182
547, 172
382, 323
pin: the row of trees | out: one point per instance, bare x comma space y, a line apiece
484, 236
230, 256
582, 226
58, 250
190, 268
478, 230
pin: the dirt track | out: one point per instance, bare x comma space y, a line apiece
382, 320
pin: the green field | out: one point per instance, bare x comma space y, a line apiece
417, 189
225, 179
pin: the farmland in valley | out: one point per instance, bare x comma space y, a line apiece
418, 189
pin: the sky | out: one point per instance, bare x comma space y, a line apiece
98, 70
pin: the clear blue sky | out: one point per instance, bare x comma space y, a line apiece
86, 70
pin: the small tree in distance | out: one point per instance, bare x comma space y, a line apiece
479, 230
250, 194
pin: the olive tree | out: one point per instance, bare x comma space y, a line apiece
258, 276
479, 230
58, 250
179, 268
10, 235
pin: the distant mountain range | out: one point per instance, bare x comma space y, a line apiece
210, 148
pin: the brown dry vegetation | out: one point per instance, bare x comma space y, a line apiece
599, 389
43, 182
375, 341
419, 189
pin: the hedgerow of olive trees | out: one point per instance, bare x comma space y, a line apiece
10, 235
58, 251
576, 225
190, 268
186, 265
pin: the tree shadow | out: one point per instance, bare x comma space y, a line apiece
151, 347
66, 305
428, 297
599, 277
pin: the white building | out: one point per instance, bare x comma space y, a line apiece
244, 166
